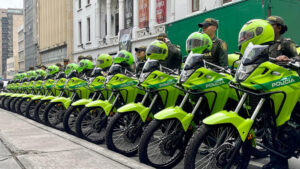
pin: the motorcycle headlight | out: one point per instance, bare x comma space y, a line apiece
244, 71
185, 75
143, 77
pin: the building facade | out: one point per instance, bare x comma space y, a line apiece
31, 33
98, 24
21, 46
55, 23
11, 20
3, 38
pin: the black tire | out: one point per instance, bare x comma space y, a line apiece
1, 99
53, 115
21, 107
10, 100
70, 118
18, 99
170, 145
129, 128
20, 104
5, 102
30, 109
91, 124
39, 110
259, 153
12, 104
207, 137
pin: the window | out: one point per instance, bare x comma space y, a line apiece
195, 5
80, 33
88, 2
79, 4
88, 21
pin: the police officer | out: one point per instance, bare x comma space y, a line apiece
283, 48
140, 54
80, 58
218, 54
89, 57
174, 58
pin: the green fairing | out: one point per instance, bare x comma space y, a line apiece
288, 81
66, 101
97, 83
80, 86
176, 113
106, 105
207, 80
28, 96
224, 117
158, 80
82, 102
137, 107
298, 50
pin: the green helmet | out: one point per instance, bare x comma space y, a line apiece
157, 50
124, 57
257, 31
85, 65
23, 76
70, 67
31, 74
104, 61
51, 70
17, 76
41, 72
198, 42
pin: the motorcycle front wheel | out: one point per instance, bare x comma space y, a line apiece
217, 147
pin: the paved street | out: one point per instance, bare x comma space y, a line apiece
26, 144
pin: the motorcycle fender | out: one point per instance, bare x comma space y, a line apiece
38, 97
224, 117
17, 95
106, 105
64, 100
82, 102
28, 95
48, 98
177, 113
137, 107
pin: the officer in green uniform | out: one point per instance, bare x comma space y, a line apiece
218, 54
283, 48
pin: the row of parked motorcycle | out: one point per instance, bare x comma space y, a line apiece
204, 114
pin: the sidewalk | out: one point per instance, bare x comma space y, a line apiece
27, 144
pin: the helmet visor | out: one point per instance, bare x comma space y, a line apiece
194, 43
115, 69
155, 49
245, 36
100, 62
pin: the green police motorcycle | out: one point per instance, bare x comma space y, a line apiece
24, 89
124, 130
96, 86
34, 88
53, 86
163, 142
17, 88
75, 87
269, 92
121, 86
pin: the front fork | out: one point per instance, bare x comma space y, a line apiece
239, 142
